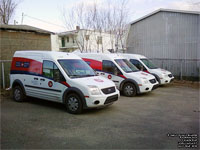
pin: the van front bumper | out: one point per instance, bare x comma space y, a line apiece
148, 87
101, 100
166, 80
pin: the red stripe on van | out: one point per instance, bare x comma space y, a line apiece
123, 76
34, 66
65, 83
94, 64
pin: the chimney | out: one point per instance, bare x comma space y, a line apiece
77, 27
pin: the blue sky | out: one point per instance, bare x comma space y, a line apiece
50, 10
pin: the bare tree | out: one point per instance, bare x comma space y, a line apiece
98, 19
78, 17
7, 9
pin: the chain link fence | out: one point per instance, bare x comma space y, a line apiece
5, 72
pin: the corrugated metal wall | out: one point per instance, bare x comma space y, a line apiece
170, 39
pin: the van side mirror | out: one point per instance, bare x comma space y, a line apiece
56, 75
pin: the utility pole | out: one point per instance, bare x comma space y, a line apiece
22, 18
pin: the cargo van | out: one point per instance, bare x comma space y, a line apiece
59, 77
144, 64
126, 76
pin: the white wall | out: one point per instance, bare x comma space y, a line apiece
54, 42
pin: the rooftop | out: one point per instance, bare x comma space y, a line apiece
165, 10
24, 28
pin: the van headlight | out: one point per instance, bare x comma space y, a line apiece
94, 90
145, 81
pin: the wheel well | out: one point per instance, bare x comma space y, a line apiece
130, 83
77, 92
15, 84
71, 92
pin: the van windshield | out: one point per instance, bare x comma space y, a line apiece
76, 68
126, 65
148, 63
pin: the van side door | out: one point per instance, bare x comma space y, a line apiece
111, 71
51, 82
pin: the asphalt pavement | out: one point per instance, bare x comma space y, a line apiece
154, 120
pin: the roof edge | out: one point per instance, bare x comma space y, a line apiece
165, 10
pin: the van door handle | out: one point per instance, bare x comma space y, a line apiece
35, 78
102, 73
42, 79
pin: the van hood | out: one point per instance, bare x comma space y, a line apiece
160, 71
140, 74
98, 81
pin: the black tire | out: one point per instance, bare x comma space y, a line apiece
18, 94
73, 104
157, 78
129, 89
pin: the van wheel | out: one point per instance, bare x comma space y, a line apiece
18, 94
74, 104
129, 89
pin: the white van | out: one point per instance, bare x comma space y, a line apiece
126, 76
144, 64
60, 77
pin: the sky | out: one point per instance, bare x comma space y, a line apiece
47, 14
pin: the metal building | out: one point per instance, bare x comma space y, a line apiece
171, 38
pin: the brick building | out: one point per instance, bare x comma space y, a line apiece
20, 37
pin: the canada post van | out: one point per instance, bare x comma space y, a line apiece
143, 63
60, 77
126, 76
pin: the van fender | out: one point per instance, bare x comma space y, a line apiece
157, 77
18, 82
131, 81
78, 92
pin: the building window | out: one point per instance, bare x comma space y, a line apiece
73, 40
63, 41
99, 40
67, 39
87, 37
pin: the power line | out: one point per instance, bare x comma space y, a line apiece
23, 15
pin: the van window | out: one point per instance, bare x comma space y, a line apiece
126, 65
50, 70
76, 68
148, 63
110, 67
88, 62
138, 64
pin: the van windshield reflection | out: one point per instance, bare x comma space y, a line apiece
126, 65
148, 63
76, 68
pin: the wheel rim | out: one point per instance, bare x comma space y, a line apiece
17, 94
73, 103
129, 90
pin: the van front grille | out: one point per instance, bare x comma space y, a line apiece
108, 90
111, 99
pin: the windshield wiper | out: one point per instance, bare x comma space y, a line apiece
88, 75
129, 71
74, 76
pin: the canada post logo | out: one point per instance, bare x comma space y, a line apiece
98, 80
